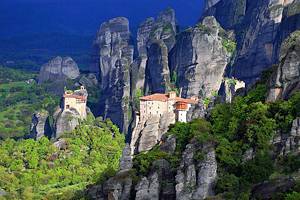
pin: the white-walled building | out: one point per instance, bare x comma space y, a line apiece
158, 104
76, 100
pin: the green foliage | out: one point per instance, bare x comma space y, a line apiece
184, 132
143, 161
293, 196
206, 101
227, 183
289, 163
8, 75
138, 94
293, 9
229, 45
258, 169
204, 29
38, 170
18, 101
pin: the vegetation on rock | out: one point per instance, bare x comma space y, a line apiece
38, 170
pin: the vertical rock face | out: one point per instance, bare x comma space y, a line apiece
260, 27
114, 56
65, 121
148, 133
199, 59
285, 81
157, 72
196, 180
40, 125
59, 69
155, 38
288, 143
148, 188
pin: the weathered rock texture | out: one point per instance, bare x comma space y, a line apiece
65, 121
193, 179
199, 59
196, 179
40, 125
59, 69
148, 133
155, 38
286, 78
288, 143
118, 187
260, 27
114, 57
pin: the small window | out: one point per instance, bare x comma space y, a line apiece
68, 106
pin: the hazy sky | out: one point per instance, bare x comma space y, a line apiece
84, 16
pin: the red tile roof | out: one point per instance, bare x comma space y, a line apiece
165, 97
75, 96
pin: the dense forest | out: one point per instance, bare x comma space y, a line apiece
32, 169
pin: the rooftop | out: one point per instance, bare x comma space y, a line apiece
165, 97
77, 94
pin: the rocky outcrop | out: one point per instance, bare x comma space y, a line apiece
115, 55
230, 87
155, 39
286, 78
269, 189
159, 184
288, 143
148, 133
40, 126
260, 27
196, 179
65, 121
88, 80
199, 59
118, 187
59, 69
148, 188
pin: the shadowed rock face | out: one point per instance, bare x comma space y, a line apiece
157, 70
114, 57
40, 125
285, 80
260, 27
155, 39
59, 69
